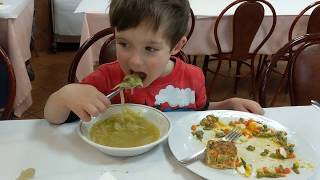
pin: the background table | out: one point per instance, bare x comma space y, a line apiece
202, 40
57, 152
16, 17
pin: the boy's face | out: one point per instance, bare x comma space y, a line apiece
142, 51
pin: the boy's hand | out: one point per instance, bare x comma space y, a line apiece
238, 104
84, 100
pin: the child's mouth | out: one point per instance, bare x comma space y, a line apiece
142, 75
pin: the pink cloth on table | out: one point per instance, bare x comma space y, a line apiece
17, 45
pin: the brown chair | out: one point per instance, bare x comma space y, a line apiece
246, 22
192, 22
313, 26
108, 49
313, 22
303, 72
8, 87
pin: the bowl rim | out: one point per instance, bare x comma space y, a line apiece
129, 148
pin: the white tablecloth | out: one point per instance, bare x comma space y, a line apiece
12, 8
202, 40
15, 35
203, 8
57, 152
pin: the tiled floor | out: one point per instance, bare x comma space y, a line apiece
51, 72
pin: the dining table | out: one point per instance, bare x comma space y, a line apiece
16, 20
57, 152
201, 41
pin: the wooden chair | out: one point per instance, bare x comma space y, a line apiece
313, 26
8, 87
313, 22
303, 72
108, 49
247, 19
192, 22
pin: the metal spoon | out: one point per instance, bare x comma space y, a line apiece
114, 93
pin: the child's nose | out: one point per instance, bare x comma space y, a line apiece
136, 59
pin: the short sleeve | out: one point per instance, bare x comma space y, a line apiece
201, 95
104, 78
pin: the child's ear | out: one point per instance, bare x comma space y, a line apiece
179, 45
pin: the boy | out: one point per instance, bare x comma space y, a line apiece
148, 33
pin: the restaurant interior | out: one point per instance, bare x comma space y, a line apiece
263, 50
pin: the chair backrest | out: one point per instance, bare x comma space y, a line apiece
108, 49
8, 86
303, 72
313, 22
246, 22
192, 24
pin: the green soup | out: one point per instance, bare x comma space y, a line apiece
128, 129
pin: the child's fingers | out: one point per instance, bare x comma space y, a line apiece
240, 108
254, 108
100, 106
104, 99
92, 110
83, 115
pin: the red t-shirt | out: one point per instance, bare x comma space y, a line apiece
182, 89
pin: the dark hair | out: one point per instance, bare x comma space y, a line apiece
172, 15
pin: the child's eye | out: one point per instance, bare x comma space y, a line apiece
151, 49
122, 44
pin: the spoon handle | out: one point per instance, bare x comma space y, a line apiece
114, 93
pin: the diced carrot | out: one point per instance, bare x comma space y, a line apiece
237, 163
277, 169
246, 123
193, 127
252, 126
286, 170
291, 155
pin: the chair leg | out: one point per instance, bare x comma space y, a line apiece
261, 65
235, 87
194, 61
30, 71
205, 65
283, 84
211, 85
253, 81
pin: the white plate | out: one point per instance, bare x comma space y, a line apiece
183, 144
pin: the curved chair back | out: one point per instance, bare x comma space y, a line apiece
192, 24
303, 66
304, 74
313, 22
107, 51
8, 86
246, 22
